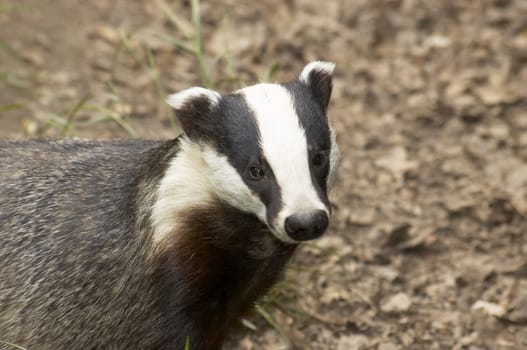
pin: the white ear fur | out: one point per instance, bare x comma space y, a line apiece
320, 66
178, 100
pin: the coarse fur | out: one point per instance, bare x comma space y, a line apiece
144, 244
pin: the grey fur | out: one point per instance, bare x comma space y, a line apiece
74, 231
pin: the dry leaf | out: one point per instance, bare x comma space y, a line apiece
489, 308
396, 162
399, 302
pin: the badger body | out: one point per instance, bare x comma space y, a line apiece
147, 244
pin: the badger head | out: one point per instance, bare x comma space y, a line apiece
268, 149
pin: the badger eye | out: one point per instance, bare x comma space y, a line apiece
256, 172
319, 159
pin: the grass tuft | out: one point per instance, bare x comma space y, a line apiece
154, 74
271, 72
109, 115
72, 114
260, 309
198, 45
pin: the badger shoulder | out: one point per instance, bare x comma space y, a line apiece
74, 227
48, 179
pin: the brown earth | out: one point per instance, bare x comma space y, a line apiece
428, 246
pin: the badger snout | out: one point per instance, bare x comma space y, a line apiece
306, 225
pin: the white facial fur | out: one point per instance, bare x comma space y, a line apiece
182, 186
228, 185
285, 148
196, 176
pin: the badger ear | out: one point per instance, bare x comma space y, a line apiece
318, 75
193, 109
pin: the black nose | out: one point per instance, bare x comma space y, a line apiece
306, 226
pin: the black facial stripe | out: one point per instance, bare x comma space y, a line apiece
272, 197
237, 137
310, 114
315, 124
319, 180
235, 131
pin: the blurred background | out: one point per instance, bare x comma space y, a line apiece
428, 246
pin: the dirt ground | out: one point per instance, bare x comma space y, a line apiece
428, 246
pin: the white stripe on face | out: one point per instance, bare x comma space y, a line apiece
284, 145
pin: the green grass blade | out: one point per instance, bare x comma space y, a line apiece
12, 345
53, 120
267, 317
13, 7
179, 23
10, 107
72, 114
11, 51
177, 43
116, 118
270, 72
198, 46
15, 81
154, 73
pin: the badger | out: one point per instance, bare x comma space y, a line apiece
138, 244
